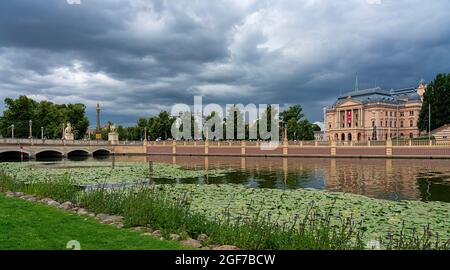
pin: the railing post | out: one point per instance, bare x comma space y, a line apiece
389, 147
285, 147
368, 143
333, 148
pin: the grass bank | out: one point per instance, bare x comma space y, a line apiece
30, 226
231, 215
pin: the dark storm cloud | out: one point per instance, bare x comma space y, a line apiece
138, 57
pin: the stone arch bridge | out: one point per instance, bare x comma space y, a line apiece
35, 148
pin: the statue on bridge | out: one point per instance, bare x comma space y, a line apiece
68, 134
113, 135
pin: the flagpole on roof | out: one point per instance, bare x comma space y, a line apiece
356, 83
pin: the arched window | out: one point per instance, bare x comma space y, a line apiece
411, 136
411, 123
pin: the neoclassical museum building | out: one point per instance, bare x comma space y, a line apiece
375, 114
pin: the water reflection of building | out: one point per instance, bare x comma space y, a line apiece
383, 178
375, 114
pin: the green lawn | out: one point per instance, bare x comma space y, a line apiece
32, 226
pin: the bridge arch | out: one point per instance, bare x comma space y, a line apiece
14, 154
49, 153
101, 152
78, 153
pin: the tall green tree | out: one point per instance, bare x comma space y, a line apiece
75, 114
438, 96
44, 114
18, 113
298, 128
234, 121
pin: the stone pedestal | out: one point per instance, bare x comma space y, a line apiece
113, 137
68, 137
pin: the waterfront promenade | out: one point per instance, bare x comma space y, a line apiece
381, 149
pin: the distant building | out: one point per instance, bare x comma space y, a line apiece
442, 134
319, 136
375, 114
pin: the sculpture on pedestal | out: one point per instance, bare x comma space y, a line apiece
113, 135
68, 134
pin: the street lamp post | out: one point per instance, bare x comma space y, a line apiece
429, 121
42, 133
31, 127
12, 131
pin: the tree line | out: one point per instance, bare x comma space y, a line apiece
18, 113
436, 97
159, 127
52, 117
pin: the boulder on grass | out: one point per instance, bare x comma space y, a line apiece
157, 233
175, 237
66, 206
53, 203
226, 247
202, 237
192, 243
82, 211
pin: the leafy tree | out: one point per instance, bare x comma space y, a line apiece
18, 113
75, 114
44, 114
297, 127
438, 95
235, 119
305, 131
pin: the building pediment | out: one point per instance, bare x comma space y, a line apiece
350, 102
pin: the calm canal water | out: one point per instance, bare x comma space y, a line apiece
424, 180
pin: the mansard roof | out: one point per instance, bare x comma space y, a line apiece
378, 95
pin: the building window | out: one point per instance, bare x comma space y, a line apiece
411, 113
381, 123
373, 123
411, 136
401, 124
386, 113
390, 125
402, 114
391, 114
411, 123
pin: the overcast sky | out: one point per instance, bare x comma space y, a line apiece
138, 57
